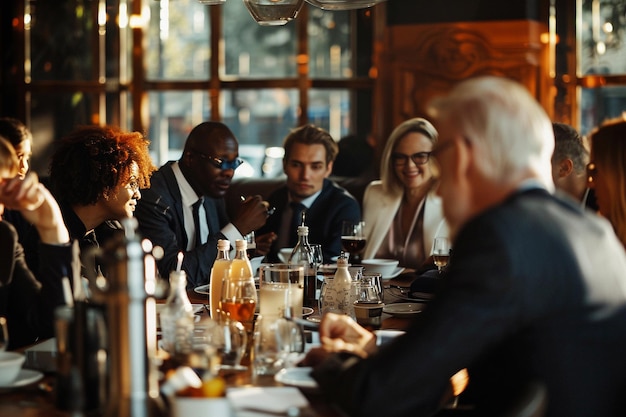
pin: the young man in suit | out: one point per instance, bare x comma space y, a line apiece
535, 290
199, 178
309, 155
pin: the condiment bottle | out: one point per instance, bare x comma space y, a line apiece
337, 295
221, 267
241, 261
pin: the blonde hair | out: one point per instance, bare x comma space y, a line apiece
390, 181
608, 153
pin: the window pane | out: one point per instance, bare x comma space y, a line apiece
172, 116
177, 39
260, 119
330, 109
329, 44
254, 51
600, 104
61, 40
603, 38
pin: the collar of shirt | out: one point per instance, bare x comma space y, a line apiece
308, 202
189, 196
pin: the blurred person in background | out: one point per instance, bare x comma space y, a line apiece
607, 173
22, 140
28, 297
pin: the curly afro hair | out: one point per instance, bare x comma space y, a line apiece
90, 162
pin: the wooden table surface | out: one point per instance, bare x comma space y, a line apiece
38, 399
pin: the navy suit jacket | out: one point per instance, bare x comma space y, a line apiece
535, 291
324, 218
160, 216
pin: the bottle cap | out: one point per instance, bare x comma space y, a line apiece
241, 244
303, 230
223, 244
342, 259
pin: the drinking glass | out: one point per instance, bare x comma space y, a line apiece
239, 299
441, 253
277, 343
273, 12
353, 239
251, 244
368, 307
281, 287
4, 334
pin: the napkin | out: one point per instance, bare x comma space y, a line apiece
268, 399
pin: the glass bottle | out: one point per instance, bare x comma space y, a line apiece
241, 261
177, 317
221, 267
302, 254
338, 291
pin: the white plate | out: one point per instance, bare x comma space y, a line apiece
297, 377
403, 309
395, 273
202, 289
24, 377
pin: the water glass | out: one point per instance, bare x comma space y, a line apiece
277, 344
281, 287
273, 12
368, 307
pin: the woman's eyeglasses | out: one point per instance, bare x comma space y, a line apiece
419, 158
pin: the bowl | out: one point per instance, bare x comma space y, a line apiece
384, 267
10, 365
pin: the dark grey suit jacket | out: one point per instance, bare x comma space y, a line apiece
160, 216
535, 291
28, 300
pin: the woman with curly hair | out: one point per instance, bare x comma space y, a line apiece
96, 173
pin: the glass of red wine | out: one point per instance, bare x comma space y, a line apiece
353, 240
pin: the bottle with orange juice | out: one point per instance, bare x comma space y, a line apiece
221, 269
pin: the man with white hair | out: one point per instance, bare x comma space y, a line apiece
535, 290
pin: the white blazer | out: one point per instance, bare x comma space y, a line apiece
380, 208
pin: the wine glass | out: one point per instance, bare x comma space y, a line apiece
441, 252
353, 239
4, 334
239, 299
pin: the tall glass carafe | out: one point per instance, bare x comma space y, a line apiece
302, 255
177, 317
220, 269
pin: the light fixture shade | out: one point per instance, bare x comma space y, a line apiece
273, 12
343, 4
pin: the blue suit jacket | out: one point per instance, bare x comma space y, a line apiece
535, 290
160, 216
324, 218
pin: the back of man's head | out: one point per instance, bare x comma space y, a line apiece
511, 133
569, 144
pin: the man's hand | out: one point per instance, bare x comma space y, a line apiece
251, 215
339, 333
37, 206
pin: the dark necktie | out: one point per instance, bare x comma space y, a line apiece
296, 220
196, 220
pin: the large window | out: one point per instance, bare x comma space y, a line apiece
164, 66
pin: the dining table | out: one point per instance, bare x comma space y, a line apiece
38, 398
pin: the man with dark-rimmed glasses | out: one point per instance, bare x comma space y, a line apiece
184, 211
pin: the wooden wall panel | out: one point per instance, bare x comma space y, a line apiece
418, 62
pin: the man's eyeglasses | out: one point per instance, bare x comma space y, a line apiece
419, 158
220, 163
592, 171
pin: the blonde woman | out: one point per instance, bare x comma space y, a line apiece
607, 173
402, 214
